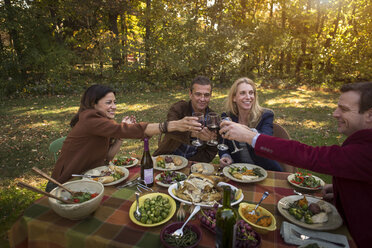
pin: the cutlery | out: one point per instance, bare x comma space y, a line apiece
144, 187
137, 213
54, 181
179, 232
263, 198
299, 193
130, 183
88, 176
24, 185
304, 237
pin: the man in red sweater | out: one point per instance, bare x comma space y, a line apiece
350, 164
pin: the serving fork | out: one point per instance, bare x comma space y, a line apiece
304, 237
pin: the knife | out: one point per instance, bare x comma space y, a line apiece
88, 176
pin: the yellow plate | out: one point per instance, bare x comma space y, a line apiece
257, 228
142, 200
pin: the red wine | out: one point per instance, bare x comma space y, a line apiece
213, 127
147, 165
225, 222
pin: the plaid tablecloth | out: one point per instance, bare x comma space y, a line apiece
110, 225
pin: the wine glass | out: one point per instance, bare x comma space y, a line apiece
197, 142
223, 146
212, 125
236, 149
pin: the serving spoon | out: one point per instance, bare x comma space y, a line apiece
137, 213
263, 198
24, 185
54, 181
179, 231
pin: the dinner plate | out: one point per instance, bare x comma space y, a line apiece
183, 165
142, 199
173, 187
97, 171
203, 168
248, 166
165, 184
334, 219
134, 162
292, 176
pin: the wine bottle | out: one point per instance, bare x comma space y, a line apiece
147, 165
225, 222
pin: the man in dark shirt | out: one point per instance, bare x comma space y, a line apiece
180, 143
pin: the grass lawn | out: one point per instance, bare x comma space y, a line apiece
29, 125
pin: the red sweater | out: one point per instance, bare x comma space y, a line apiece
351, 168
88, 142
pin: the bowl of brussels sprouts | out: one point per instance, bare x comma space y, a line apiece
156, 209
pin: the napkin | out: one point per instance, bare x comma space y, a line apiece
290, 238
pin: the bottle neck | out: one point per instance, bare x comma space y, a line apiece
226, 196
146, 144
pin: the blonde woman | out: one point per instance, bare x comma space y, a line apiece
243, 107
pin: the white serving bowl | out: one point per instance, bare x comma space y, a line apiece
77, 211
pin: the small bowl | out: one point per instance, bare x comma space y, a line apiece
173, 227
257, 228
77, 211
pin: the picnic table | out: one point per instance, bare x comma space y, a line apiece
110, 225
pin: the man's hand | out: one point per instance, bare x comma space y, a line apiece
328, 193
235, 131
206, 135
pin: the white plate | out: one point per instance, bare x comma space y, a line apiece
248, 166
101, 168
206, 169
134, 163
174, 187
165, 184
334, 219
292, 176
183, 165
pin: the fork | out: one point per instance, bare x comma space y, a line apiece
304, 237
179, 232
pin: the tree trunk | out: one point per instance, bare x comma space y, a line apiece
148, 33
13, 34
115, 55
328, 66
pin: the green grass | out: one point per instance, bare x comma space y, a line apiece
29, 125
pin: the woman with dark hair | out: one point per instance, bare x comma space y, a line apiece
95, 137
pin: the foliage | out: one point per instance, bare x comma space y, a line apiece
46, 44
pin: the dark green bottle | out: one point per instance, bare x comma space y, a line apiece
225, 222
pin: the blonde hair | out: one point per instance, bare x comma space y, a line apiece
256, 110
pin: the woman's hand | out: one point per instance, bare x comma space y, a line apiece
129, 120
235, 131
188, 123
225, 161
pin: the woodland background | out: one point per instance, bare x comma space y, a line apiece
61, 46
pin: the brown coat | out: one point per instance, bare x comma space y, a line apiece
88, 142
172, 141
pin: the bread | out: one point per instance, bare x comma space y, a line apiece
177, 161
106, 179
